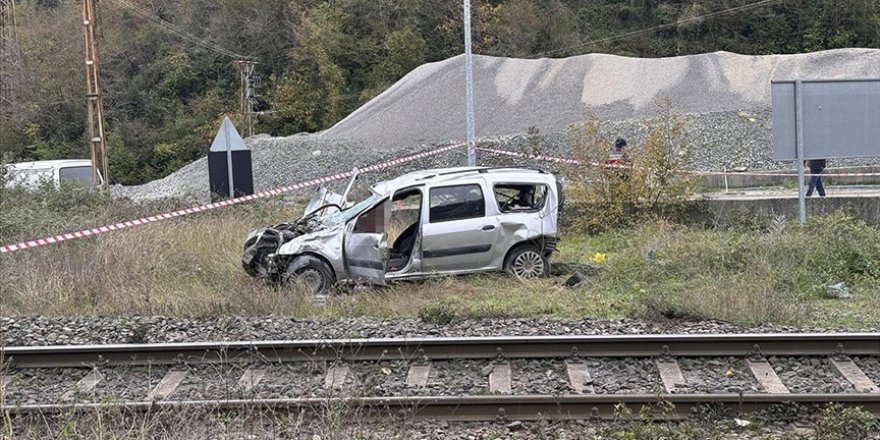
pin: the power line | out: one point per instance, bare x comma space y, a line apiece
659, 27
204, 43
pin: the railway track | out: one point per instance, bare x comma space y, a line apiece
408, 376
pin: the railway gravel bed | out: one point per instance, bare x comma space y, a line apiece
383, 378
539, 377
35, 386
277, 384
220, 381
190, 426
213, 382
456, 377
624, 376
132, 383
670, 377
42, 330
809, 375
717, 375
871, 367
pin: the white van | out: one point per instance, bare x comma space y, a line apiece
31, 174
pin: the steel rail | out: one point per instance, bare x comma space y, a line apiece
677, 345
483, 408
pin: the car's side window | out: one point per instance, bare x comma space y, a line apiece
520, 197
456, 203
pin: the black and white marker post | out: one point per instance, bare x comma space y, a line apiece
229, 164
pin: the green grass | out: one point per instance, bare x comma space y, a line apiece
189, 267
744, 277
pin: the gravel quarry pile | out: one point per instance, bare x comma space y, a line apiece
725, 98
512, 95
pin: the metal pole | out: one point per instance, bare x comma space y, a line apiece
726, 188
469, 85
799, 123
229, 161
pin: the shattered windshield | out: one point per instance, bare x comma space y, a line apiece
350, 213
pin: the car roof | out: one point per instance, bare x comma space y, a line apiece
456, 174
43, 164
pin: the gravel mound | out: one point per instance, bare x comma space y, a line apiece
280, 161
510, 95
725, 97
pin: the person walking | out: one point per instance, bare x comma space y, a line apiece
618, 153
817, 166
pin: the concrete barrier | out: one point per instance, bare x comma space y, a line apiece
864, 207
751, 180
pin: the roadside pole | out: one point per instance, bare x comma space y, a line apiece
469, 86
228, 137
799, 123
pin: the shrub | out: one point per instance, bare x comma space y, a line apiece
650, 182
839, 423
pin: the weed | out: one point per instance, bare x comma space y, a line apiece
437, 314
626, 426
839, 423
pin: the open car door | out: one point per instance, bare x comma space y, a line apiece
366, 245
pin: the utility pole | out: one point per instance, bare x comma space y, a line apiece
94, 98
9, 57
247, 95
469, 86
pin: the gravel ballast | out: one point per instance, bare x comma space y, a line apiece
220, 381
624, 375
38, 386
79, 330
453, 378
717, 375
277, 384
539, 376
809, 375
871, 367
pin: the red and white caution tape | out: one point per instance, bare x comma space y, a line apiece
699, 173
532, 156
209, 206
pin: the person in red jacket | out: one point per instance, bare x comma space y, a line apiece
618, 154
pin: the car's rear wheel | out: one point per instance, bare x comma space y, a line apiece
311, 272
527, 261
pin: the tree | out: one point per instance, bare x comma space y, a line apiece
405, 50
310, 97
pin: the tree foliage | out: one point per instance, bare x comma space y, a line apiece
320, 59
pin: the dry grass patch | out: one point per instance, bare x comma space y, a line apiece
183, 267
189, 267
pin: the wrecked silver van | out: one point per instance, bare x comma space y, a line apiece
433, 222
